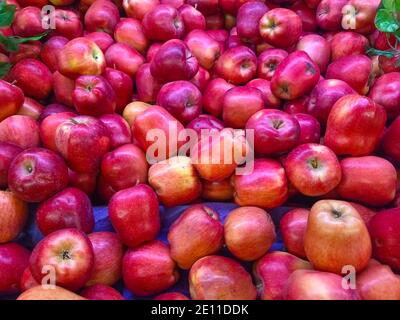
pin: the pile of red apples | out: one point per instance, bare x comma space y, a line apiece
76, 108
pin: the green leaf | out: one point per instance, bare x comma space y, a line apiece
38, 37
386, 22
375, 52
388, 4
397, 5
7, 13
11, 44
4, 68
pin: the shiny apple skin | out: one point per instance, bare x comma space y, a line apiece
384, 230
266, 187
295, 76
214, 94
355, 126
22, 131
118, 128
198, 232
8, 151
233, 113
69, 252
274, 131
293, 228
318, 48
146, 85
310, 128
149, 269
70, 208
268, 61
11, 99
122, 86
174, 61
108, 253
355, 70
166, 178
313, 169
220, 278
327, 220
14, 259
249, 233
317, 285
237, 65
272, 273
324, 96
36, 174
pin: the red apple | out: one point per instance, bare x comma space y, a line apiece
69, 253
122, 85
191, 17
102, 15
295, 106
217, 190
207, 7
108, 253
268, 61
135, 224
101, 292
274, 131
182, 99
81, 56
93, 96
152, 51
214, 94
270, 101
124, 58
317, 285
68, 24
365, 212
163, 23
386, 91
233, 113
102, 39
63, 88
33, 77
313, 169
390, 141
23, 131
82, 181
11, 99
197, 232
28, 22
50, 109
27, 280
36, 174
378, 282
310, 129
265, 187
348, 43
31, 108
48, 128
166, 178
220, 278
201, 79
174, 61
249, 233
118, 128
70, 208
280, 27
272, 273
8, 151
149, 269
318, 49
14, 259
28, 50
13, 216
329, 14
355, 126
360, 15
336, 236
306, 14
324, 96
237, 65
160, 119
146, 85
384, 230
138, 8
355, 70
130, 32
295, 76
171, 296
82, 141
248, 16
206, 49
124, 167
293, 228
205, 122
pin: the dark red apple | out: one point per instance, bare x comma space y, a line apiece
118, 128
310, 129
8, 151
67, 24
214, 94
101, 292
146, 85
122, 86
329, 14
268, 61
191, 17
270, 101
50, 50
11, 99
248, 16
102, 15
63, 88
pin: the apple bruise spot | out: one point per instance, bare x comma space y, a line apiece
310, 68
